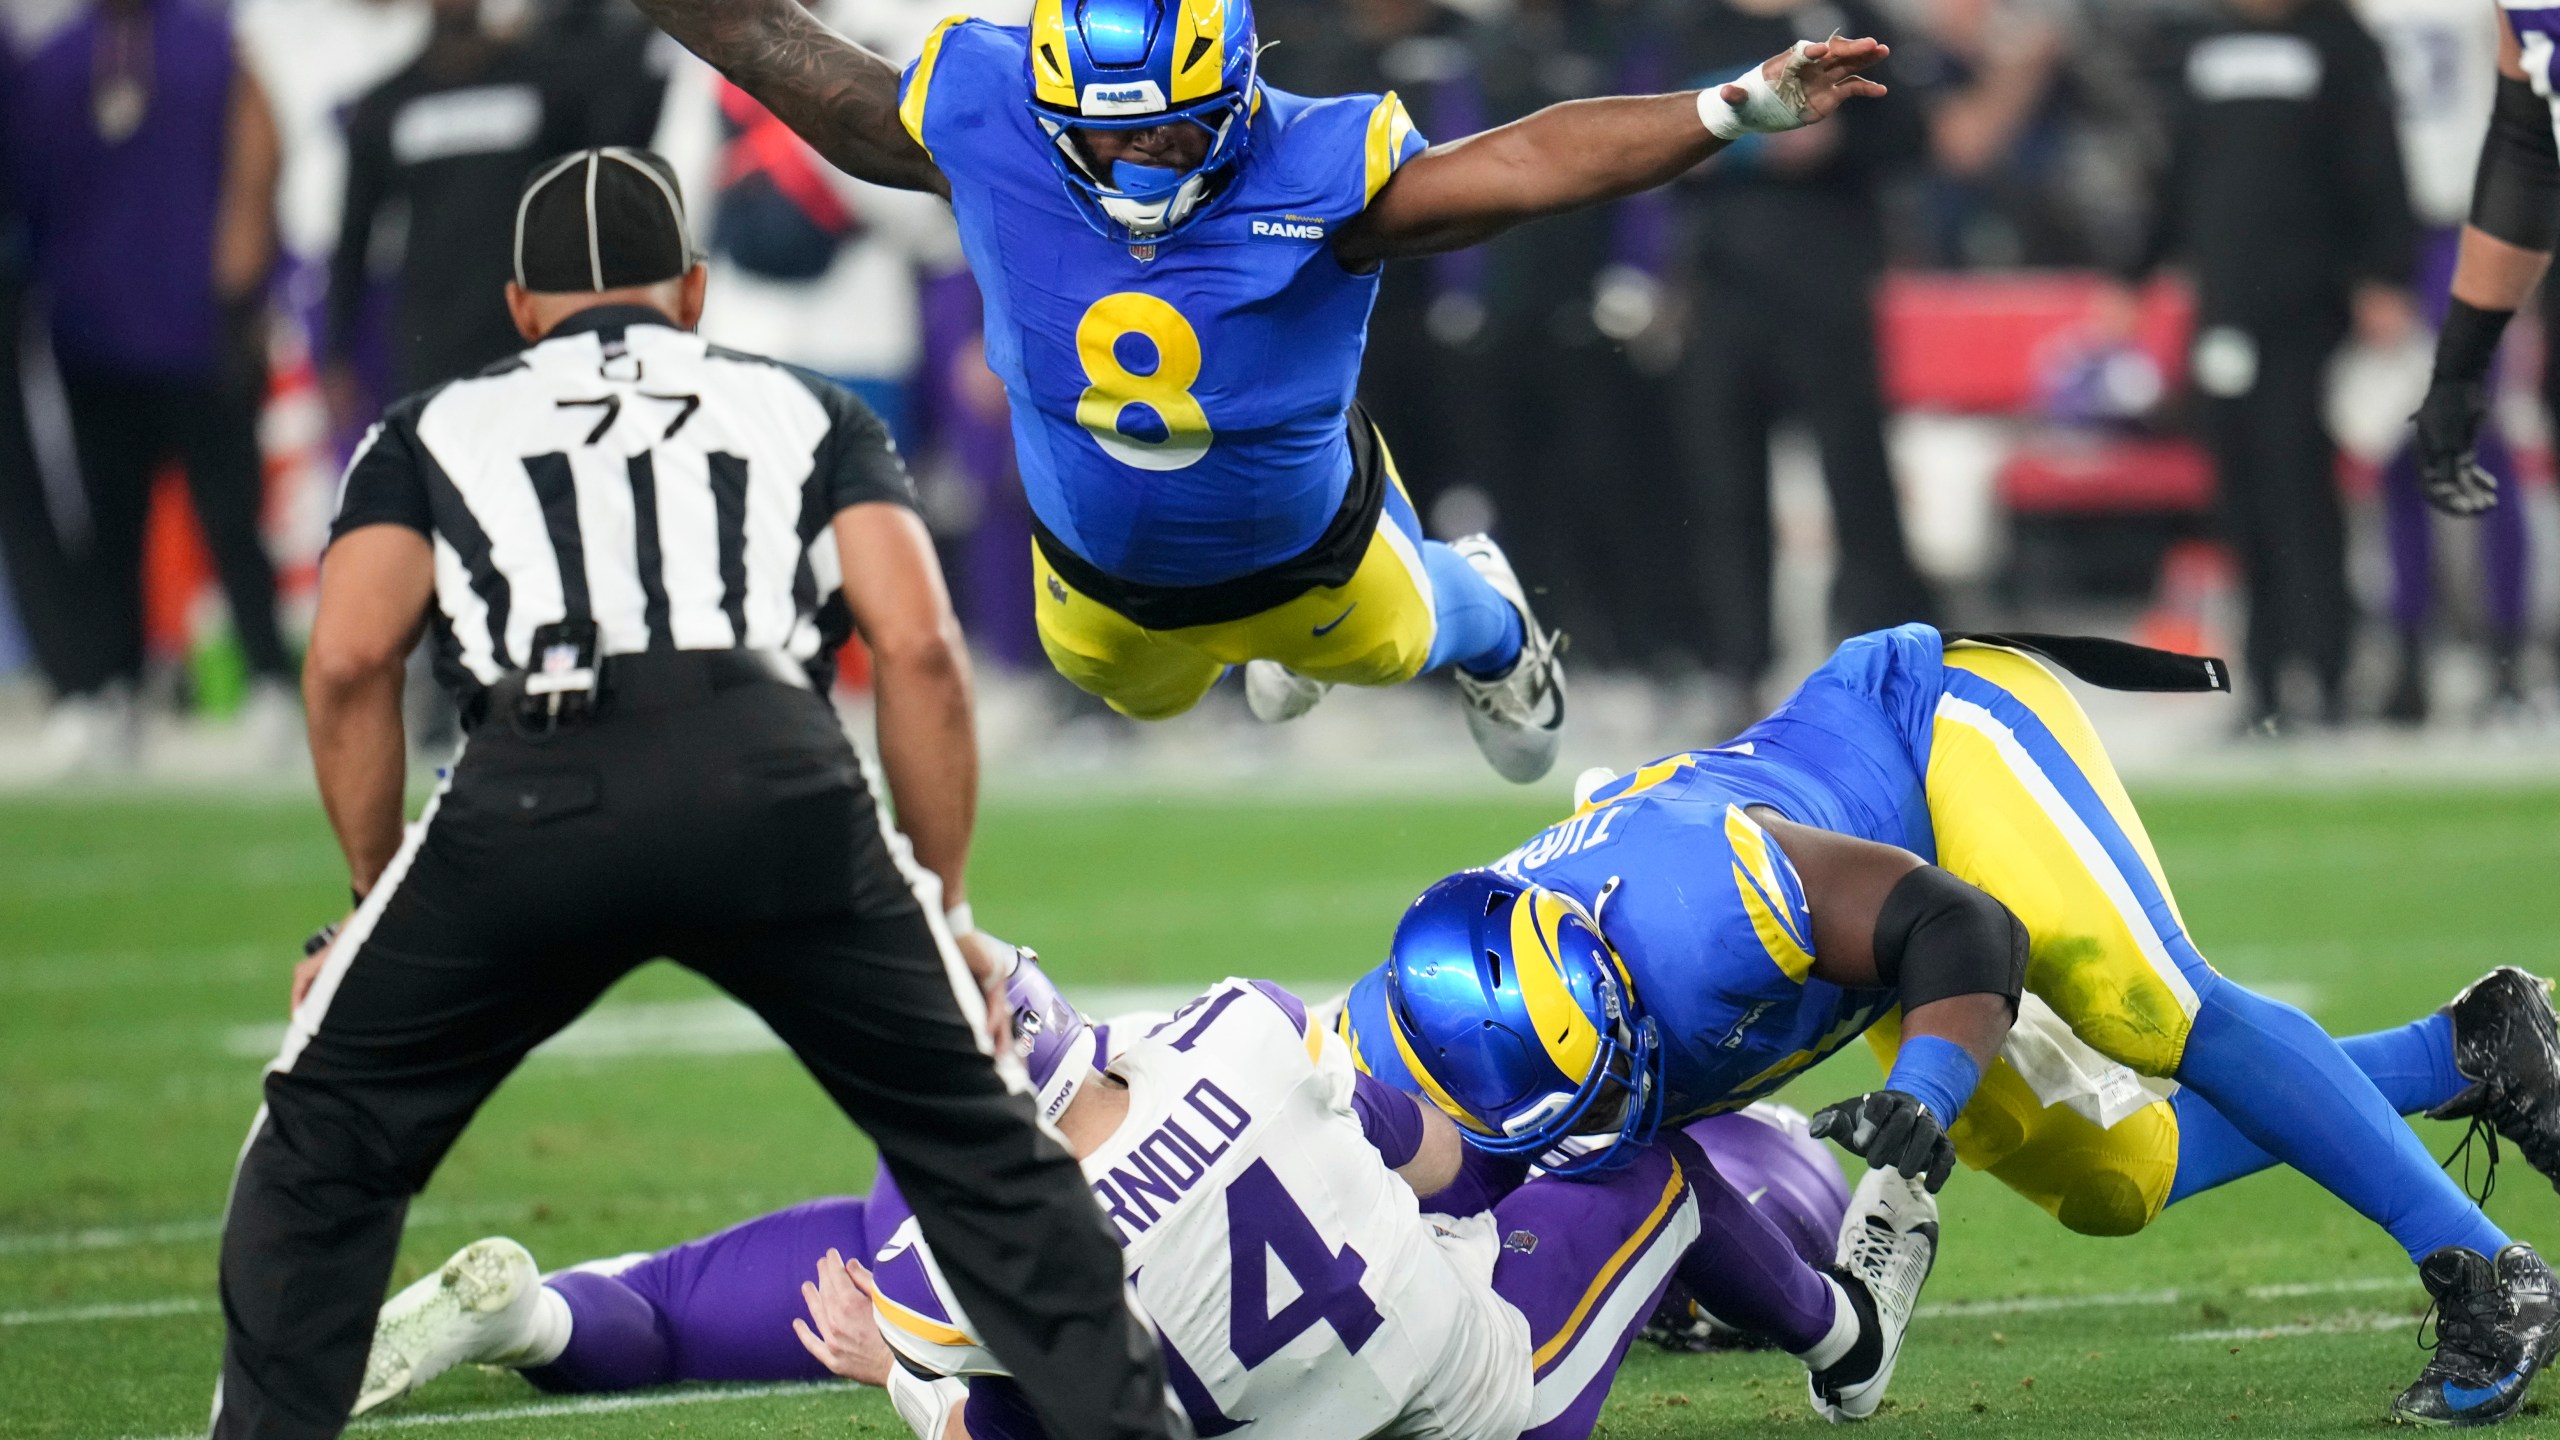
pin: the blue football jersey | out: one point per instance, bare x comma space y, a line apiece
1179, 409
1707, 912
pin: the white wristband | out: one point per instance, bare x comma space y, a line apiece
960, 918
926, 1405
1766, 108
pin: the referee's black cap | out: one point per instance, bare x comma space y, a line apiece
601, 219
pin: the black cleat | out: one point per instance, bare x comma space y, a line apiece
2496, 1326
2506, 1042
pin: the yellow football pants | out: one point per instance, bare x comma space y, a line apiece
1375, 630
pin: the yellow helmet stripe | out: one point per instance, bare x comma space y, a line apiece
1572, 1042
1050, 82
911, 107
1388, 127
1198, 67
1413, 1066
1751, 847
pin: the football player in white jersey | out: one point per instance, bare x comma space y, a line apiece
1230, 1146
1265, 1195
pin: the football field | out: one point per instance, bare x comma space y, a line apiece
145, 943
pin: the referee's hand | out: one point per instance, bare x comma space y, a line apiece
991, 960
315, 954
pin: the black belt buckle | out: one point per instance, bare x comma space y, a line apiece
561, 684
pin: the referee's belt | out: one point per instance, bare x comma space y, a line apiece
656, 680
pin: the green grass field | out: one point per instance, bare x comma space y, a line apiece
145, 942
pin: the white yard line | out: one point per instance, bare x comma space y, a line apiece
594, 1405
495, 1212
76, 1314
2117, 1299
2353, 1322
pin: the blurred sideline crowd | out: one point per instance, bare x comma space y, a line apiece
2108, 316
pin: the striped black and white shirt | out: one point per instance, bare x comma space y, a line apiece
627, 473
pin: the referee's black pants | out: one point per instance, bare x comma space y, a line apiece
1751, 366
731, 832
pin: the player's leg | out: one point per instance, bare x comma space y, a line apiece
2026, 806
884, 1013
435, 989
717, 1308
1584, 1262
1413, 605
1143, 674
217, 438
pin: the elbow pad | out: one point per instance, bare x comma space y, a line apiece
1938, 937
2516, 194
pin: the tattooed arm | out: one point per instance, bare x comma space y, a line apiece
836, 95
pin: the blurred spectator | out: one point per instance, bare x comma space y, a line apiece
1999, 134
1785, 249
31, 552
435, 157
1415, 381
2284, 195
146, 159
2443, 58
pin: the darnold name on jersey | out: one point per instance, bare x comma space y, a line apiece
1162, 1167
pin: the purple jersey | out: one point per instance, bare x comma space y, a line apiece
115, 148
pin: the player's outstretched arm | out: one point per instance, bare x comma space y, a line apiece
834, 94
1587, 152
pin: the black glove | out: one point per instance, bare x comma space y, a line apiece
2448, 422
1892, 1131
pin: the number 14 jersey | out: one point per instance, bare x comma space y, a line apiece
1179, 409
1291, 1278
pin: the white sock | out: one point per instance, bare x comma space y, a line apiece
1834, 1345
545, 1334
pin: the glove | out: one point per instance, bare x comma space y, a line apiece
2448, 422
1891, 1131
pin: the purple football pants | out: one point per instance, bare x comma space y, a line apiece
717, 1308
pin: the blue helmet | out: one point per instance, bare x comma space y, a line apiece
1516, 1017
1133, 65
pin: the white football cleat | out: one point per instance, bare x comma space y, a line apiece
482, 1307
1517, 718
1887, 1245
1277, 694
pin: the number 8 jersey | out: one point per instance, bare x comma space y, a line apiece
1179, 409
1292, 1280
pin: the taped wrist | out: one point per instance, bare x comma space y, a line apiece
2516, 194
1391, 1119
1766, 108
2469, 341
1938, 937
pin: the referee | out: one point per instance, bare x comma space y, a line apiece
630, 548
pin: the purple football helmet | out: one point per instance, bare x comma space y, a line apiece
1769, 1154
1054, 1041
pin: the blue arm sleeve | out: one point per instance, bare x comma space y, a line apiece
1389, 1117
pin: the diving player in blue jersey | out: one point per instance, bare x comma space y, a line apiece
1929, 830
1178, 264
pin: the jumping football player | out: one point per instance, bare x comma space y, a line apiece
1707, 927
1179, 263
1239, 1128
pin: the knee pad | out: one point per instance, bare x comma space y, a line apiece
2104, 1202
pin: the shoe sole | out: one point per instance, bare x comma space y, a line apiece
483, 1278
1280, 701
1525, 769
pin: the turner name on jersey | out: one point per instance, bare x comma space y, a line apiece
1291, 1277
